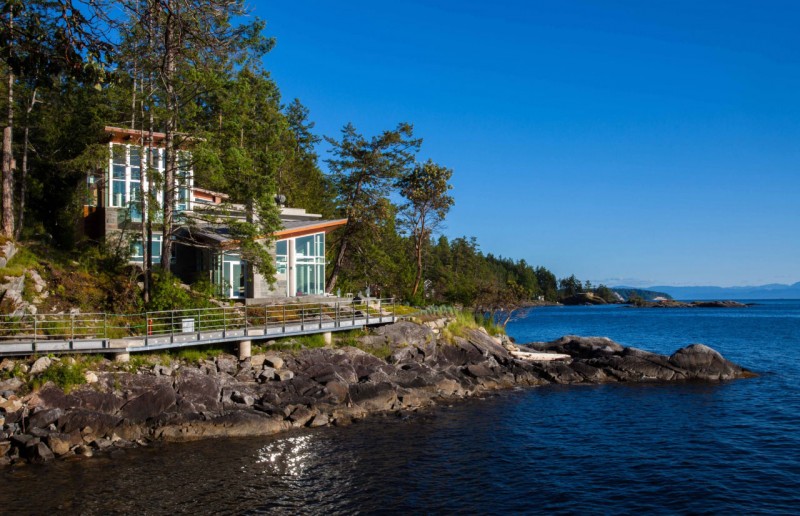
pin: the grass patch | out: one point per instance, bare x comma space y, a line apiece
65, 376
197, 355
402, 310
24, 259
299, 342
463, 320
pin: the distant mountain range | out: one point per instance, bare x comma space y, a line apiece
771, 291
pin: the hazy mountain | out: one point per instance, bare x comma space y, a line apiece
771, 291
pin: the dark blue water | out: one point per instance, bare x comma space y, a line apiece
616, 449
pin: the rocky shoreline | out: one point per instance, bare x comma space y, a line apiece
670, 303
273, 392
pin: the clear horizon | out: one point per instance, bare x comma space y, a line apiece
623, 142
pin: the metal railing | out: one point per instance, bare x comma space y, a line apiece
200, 324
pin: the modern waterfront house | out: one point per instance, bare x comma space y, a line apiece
113, 213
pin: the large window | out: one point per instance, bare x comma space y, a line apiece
135, 184
119, 176
137, 250
310, 264
129, 178
281, 256
183, 178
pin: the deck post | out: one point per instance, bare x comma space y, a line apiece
245, 349
327, 337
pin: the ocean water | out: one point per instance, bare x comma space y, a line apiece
696, 448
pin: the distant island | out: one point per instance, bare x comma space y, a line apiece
769, 291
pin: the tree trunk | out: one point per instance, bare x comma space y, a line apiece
8, 164
348, 230
24, 175
418, 252
8, 185
147, 215
337, 264
22, 181
170, 166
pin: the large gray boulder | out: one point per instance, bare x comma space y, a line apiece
197, 392
704, 363
408, 341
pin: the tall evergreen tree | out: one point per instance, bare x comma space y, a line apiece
42, 39
363, 172
192, 40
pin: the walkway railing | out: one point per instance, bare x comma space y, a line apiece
181, 327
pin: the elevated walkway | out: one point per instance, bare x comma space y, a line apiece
150, 331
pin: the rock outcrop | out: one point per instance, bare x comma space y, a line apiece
671, 303
274, 392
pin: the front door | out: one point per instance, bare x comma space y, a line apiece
233, 277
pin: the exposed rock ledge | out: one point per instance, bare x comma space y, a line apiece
266, 394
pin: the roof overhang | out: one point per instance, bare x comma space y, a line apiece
123, 135
218, 238
309, 228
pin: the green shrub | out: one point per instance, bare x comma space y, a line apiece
204, 287
66, 376
168, 294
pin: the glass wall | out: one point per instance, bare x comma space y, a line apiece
310, 264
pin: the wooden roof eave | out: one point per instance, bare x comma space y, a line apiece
324, 226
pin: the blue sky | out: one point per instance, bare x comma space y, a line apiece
626, 142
